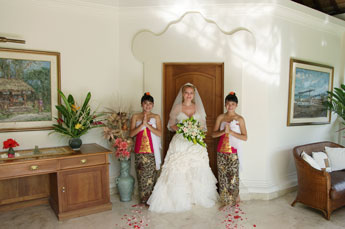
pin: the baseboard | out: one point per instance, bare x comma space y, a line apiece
23, 204
267, 189
249, 189
266, 196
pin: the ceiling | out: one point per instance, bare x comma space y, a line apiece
331, 7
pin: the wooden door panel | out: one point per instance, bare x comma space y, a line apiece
208, 79
24, 188
82, 188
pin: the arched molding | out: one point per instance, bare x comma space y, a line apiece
229, 33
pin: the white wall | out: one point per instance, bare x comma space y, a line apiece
281, 31
95, 42
86, 35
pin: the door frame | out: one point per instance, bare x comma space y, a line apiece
165, 130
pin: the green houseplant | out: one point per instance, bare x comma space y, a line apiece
336, 101
75, 121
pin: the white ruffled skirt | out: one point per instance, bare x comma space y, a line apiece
186, 179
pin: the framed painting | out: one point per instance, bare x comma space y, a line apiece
29, 81
309, 83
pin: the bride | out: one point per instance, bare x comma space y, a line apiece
186, 177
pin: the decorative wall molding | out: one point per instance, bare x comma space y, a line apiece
179, 19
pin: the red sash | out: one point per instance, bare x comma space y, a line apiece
143, 142
224, 145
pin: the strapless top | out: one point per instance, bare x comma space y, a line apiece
182, 116
156, 141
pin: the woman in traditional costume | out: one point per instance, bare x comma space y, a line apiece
231, 129
147, 128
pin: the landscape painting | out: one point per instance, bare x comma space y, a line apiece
309, 84
29, 81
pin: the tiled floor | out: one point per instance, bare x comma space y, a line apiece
275, 213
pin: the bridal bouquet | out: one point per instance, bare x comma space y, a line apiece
191, 130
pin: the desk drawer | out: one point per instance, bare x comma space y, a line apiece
82, 161
29, 168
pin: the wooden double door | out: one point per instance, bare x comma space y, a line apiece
208, 79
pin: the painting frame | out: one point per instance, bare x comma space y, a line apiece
308, 108
52, 59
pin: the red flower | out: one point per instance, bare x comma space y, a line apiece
117, 142
10, 143
147, 93
97, 123
123, 145
126, 154
60, 120
231, 93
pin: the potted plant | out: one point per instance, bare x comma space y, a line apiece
336, 102
75, 121
10, 144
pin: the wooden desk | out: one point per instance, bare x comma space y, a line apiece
75, 183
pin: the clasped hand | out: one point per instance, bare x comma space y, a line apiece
145, 123
228, 130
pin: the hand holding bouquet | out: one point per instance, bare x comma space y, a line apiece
192, 131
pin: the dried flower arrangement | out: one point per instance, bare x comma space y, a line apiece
116, 131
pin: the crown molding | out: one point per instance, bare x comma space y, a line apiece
95, 5
282, 9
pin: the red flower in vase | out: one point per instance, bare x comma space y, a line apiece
123, 145
10, 143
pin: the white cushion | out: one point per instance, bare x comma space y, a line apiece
336, 158
310, 161
322, 160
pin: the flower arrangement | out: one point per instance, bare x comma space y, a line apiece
75, 121
116, 131
10, 144
121, 152
191, 130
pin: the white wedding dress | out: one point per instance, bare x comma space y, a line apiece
186, 177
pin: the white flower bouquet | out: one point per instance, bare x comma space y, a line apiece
191, 130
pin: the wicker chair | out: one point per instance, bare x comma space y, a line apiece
318, 189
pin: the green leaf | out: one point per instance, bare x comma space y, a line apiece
336, 101
70, 99
63, 111
86, 102
67, 105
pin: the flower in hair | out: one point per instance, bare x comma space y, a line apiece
232, 93
147, 93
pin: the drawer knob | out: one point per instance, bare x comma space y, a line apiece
33, 167
83, 161
63, 189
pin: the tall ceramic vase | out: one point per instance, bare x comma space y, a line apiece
125, 182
